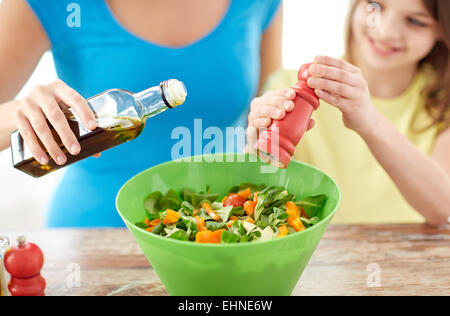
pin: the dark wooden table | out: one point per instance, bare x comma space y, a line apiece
350, 260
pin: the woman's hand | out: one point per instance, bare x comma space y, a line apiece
43, 104
271, 106
343, 86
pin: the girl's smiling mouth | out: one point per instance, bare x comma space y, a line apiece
384, 49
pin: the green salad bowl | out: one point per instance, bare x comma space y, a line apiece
261, 268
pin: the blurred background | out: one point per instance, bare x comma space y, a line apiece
310, 28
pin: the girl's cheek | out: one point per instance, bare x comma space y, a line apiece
420, 43
359, 23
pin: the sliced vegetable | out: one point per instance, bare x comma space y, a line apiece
235, 200
283, 231
312, 205
245, 193
248, 213
179, 235
294, 217
171, 217
250, 220
249, 207
210, 211
213, 226
170, 201
224, 213
200, 222
151, 204
296, 223
199, 198
209, 236
229, 238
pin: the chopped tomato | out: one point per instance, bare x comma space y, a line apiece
235, 200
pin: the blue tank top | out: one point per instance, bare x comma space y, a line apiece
95, 53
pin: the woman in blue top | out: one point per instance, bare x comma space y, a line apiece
222, 50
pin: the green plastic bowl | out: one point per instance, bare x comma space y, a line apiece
249, 269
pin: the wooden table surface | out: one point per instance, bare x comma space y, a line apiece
350, 260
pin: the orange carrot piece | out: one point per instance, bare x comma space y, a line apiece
250, 220
249, 207
230, 223
147, 222
209, 236
195, 212
155, 222
200, 222
245, 193
283, 231
294, 217
150, 229
234, 218
296, 224
210, 211
292, 209
171, 217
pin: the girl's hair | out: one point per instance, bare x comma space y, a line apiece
437, 92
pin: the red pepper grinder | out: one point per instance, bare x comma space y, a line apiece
24, 264
276, 144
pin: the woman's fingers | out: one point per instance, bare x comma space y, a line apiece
59, 122
26, 131
287, 93
336, 74
311, 125
72, 99
261, 122
42, 130
270, 112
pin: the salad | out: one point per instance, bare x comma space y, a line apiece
247, 213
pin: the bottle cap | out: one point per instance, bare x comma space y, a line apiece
175, 92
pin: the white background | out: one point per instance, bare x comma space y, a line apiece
310, 28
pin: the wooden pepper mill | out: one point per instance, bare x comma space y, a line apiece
277, 143
24, 264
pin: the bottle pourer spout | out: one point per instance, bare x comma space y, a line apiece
175, 92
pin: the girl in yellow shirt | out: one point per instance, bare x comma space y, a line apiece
391, 155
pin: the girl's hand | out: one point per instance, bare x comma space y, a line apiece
43, 104
272, 105
343, 86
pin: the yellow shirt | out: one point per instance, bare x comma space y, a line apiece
368, 194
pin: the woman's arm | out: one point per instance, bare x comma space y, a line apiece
271, 48
422, 180
22, 43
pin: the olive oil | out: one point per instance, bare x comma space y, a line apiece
91, 143
121, 117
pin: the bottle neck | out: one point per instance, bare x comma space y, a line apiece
152, 102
